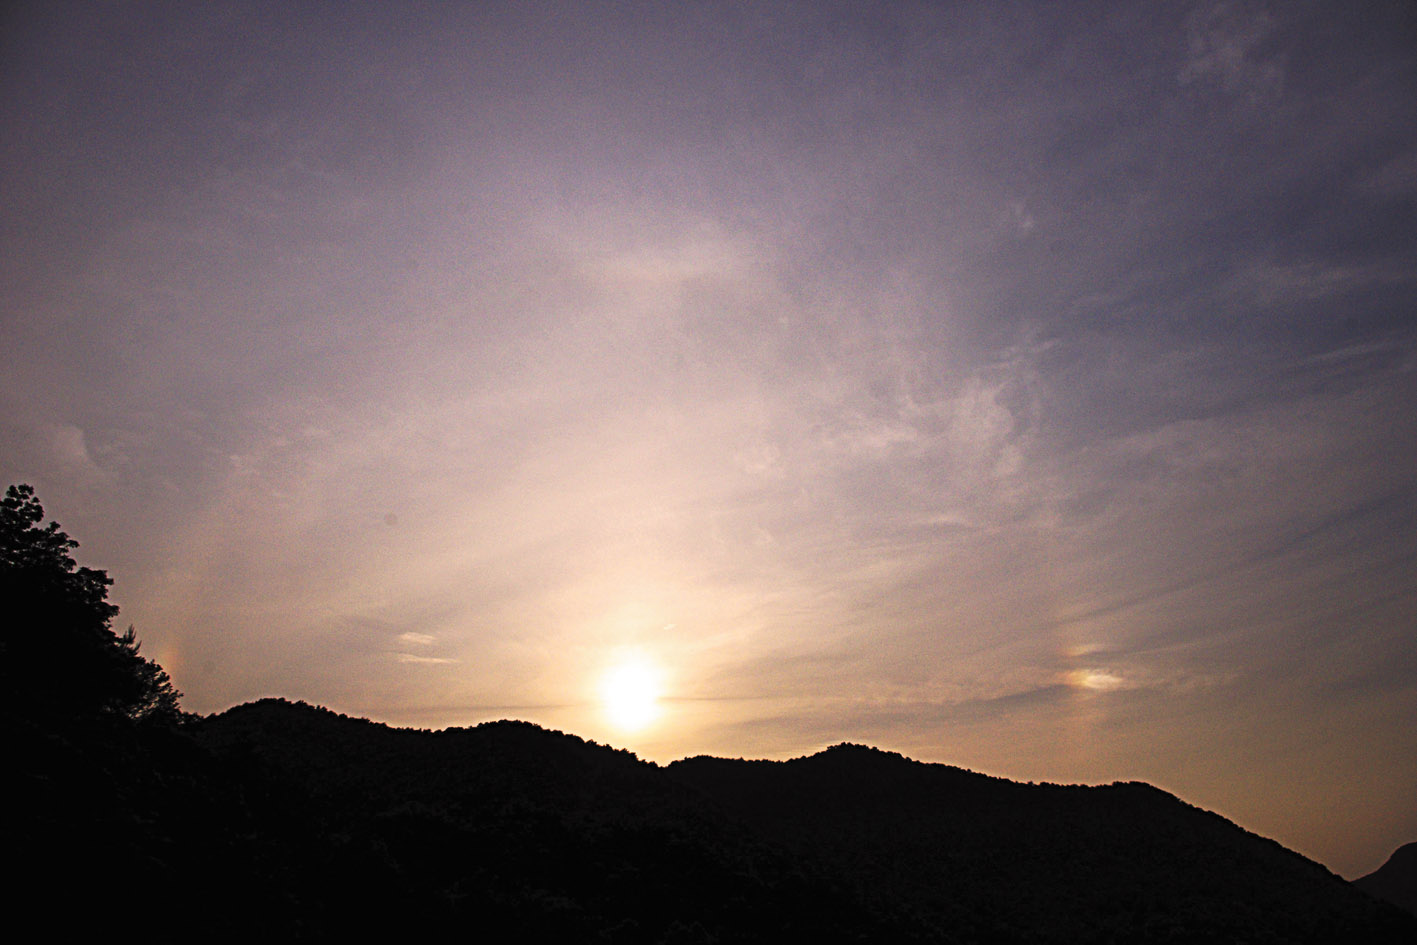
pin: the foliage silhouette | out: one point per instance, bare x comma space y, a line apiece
60, 658
106, 792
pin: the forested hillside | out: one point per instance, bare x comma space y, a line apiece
286, 821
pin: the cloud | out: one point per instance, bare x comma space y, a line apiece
1396, 178
1018, 216
1097, 680
70, 451
430, 660
1226, 44
1271, 283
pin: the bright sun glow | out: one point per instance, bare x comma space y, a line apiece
629, 693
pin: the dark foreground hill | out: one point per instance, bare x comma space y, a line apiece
128, 818
524, 834
1396, 880
987, 859
282, 821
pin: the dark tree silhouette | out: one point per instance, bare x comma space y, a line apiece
59, 657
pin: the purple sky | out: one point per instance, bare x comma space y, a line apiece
1028, 387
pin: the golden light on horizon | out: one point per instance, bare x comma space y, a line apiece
629, 693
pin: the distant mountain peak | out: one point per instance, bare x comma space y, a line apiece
852, 756
852, 749
1396, 880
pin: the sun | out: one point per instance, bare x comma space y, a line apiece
629, 694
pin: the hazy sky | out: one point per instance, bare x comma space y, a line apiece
1029, 387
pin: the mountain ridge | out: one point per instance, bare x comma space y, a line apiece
1396, 880
850, 843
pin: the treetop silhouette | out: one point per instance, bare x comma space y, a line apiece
59, 658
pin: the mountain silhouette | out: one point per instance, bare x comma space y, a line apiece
999, 860
1396, 880
284, 821
353, 827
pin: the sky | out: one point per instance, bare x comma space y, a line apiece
1027, 387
